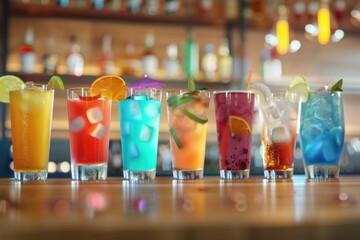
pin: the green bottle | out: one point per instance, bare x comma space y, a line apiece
191, 56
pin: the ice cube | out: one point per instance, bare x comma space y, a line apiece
126, 127
323, 112
311, 133
271, 113
98, 130
328, 151
280, 134
77, 124
145, 133
133, 150
313, 151
140, 97
151, 110
338, 135
134, 109
94, 115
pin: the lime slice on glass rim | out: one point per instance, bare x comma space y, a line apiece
298, 91
9, 83
262, 92
56, 82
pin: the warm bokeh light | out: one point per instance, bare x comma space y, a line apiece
282, 33
324, 23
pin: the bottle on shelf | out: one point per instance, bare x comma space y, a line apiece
27, 53
131, 63
134, 6
149, 58
106, 61
152, 7
50, 58
63, 3
114, 5
98, 4
80, 3
74, 59
172, 63
225, 61
209, 62
190, 56
42, 2
172, 6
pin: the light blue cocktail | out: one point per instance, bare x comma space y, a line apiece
139, 123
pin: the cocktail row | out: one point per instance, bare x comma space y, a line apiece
317, 118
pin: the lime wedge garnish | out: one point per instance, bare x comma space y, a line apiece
176, 101
9, 83
176, 138
299, 90
337, 87
56, 82
262, 92
194, 117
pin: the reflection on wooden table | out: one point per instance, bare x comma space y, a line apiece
169, 209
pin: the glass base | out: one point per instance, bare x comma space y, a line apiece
139, 175
242, 174
86, 172
278, 174
188, 174
25, 176
322, 171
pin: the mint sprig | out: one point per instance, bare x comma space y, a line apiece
337, 87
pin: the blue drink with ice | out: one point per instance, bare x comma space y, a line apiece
322, 134
139, 123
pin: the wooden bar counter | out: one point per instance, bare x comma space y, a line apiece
167, 209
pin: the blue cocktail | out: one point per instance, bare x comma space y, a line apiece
322, 134
139, 122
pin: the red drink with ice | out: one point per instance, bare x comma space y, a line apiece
89, 125
234, 119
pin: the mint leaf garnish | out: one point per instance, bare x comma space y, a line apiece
191, 84
337, 87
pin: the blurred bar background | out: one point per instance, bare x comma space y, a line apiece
39, 37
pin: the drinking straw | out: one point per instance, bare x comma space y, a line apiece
249, 80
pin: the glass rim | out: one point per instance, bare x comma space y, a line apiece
78, 88
233, 91
39, 87
142, 89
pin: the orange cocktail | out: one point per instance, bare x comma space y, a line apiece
188, 117
31, 114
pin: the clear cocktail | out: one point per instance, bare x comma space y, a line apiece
188, 117
234, 118
278, 136
139, 123
31, 116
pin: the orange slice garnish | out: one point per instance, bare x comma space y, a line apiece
111, 87
238, 126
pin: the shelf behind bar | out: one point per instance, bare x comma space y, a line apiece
88, 13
